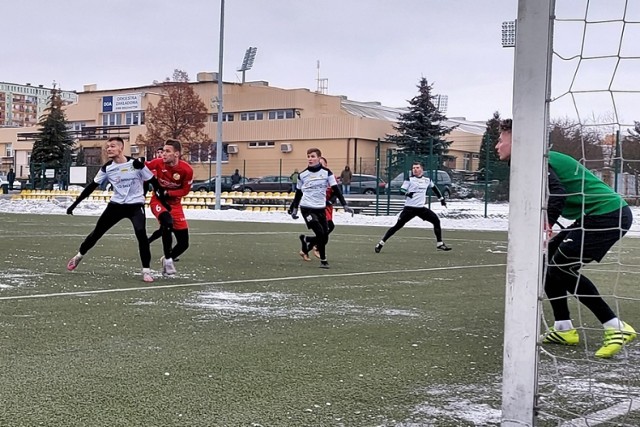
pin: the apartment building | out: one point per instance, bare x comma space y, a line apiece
22, 105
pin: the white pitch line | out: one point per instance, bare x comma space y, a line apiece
605, 415
244, 233
231, 282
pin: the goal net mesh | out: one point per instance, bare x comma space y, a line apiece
594, 115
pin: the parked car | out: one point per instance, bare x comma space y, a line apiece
463, 191
442, 181
210, 185
366, 184
266, 183
16, 183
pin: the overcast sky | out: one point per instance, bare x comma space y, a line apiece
369, 50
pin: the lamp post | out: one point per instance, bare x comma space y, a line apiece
220, 109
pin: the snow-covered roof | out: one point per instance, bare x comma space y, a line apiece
372, 110
375, 110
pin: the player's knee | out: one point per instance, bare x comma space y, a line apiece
166, 221
184, 242
561, 264
141, 234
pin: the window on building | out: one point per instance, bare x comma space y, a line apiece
9, 150
202, 152
262, 144
226, 117
76, 126
112, 119
92, 156
252, 115
199, 152
281, 114
133, 118
466, 162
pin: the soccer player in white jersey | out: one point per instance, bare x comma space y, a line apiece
127, 177
311, 197
415, 190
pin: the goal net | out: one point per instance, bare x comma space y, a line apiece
576, 91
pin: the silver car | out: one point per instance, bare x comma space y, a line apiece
16, 183
366, 184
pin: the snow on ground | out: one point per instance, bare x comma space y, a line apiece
467, 405
458, 215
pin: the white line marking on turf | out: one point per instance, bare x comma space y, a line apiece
231, 282
605, 415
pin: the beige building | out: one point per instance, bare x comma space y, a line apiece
266, 130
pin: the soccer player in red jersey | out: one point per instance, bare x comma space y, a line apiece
175, 177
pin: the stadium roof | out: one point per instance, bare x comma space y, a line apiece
375, 110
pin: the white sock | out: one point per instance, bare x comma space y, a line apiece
381, 243
563, 325
439, 244
146, 270
614, 323
79, 255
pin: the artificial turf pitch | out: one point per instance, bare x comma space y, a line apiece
248, 334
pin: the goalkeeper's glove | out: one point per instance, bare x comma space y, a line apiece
347, 209
410, 195
138, 163
443, 202
161, 193
71, 208
293, 212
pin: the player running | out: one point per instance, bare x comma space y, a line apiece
415, 190
328, 211
174, 177
311, 197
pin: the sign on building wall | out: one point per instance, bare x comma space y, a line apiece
78, 175
126, 102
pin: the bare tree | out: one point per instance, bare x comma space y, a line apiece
584, 144
180, 114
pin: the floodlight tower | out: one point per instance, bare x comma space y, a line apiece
323, 83
247, 62
509, 34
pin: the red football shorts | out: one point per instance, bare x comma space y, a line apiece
179, 221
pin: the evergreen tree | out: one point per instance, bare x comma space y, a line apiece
420, 130
494, 167
52, 147
80, 157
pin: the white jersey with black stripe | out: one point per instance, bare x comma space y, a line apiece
126, 180
313, 183
419, 187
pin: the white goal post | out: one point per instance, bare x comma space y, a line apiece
576, 91
524, 261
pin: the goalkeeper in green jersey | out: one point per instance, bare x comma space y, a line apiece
601, 217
